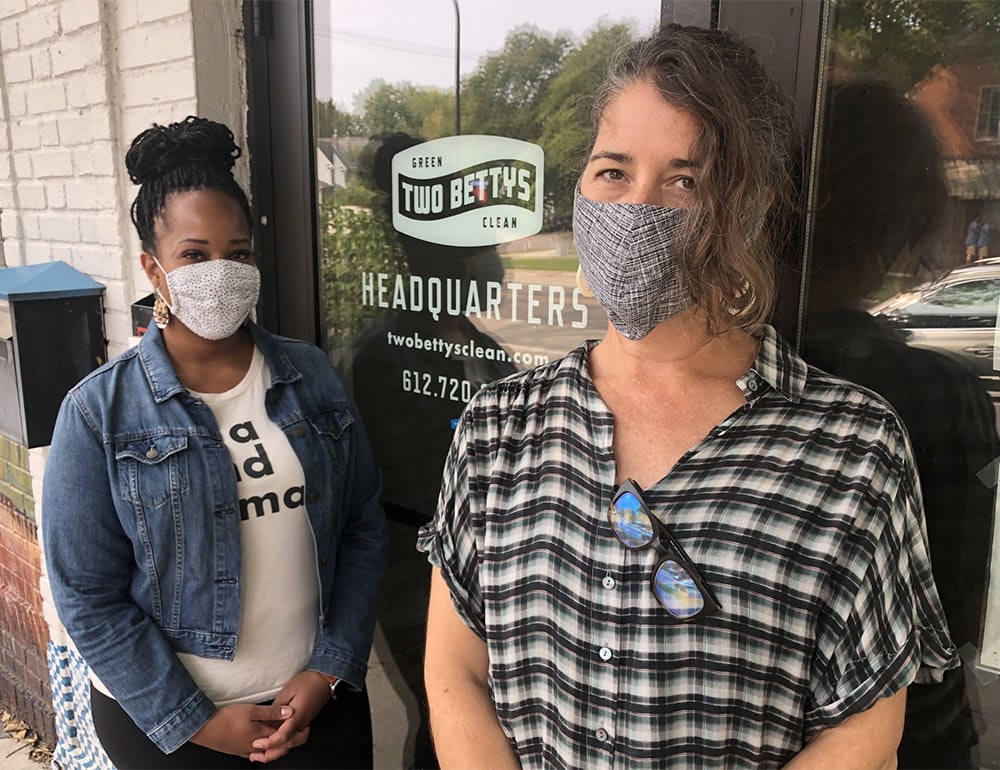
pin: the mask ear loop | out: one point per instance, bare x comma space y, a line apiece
161, 310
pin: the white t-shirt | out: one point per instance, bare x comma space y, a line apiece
279, 611
280, 593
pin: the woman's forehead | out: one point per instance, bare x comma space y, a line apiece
638, 117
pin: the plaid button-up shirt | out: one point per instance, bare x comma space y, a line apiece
802, 512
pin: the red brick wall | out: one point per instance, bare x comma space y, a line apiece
24, 636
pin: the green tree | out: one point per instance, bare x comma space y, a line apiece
901, 41
502, 97
405, 108
332, 121
353, 242
567, 121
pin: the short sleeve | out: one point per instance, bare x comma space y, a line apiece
884, 626
451, 538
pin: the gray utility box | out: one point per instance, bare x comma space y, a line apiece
51, 335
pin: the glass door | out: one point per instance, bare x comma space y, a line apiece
903, 290
448, 140
448, 137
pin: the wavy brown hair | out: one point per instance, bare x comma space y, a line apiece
749, 155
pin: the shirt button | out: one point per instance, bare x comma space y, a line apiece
601, 734
298, 432
605, 653
608, 582
151, 453
752, 385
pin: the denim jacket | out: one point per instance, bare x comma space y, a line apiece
141, 528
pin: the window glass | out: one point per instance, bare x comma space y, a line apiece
449, 135
902, 298
979, 295
988, 121
447, 260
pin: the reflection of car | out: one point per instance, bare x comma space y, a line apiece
955, 315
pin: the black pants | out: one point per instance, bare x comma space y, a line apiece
339, 737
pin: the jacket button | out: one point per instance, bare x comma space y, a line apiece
151, 453
298, 432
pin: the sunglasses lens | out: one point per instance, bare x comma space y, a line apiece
630, 522
676, 590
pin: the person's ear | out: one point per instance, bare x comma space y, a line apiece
151, 269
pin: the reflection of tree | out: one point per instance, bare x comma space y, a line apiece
503, 96
353, 242
331, 121
901, 41
405, 108
536, 88
565, 107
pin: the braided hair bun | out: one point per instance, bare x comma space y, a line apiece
195, 154
159, 150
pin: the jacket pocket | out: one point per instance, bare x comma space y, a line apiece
152, 469
332, 428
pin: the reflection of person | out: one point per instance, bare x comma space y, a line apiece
411, 427
880, 155
983, 242
782, 499
972, 240
409, 394
234, 539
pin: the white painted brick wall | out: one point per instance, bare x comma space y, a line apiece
80, 79
153, 44
73, 15
46, 96
38, 25
86, 89
161, 9
49, 163
76, 51
17, 67
41, 63
79, 86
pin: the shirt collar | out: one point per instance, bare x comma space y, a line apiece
779, 366
162, 378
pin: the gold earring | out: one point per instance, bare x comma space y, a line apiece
161, 313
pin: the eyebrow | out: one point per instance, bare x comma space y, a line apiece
624, 158
202, 242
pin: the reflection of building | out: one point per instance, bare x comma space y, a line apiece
337, 161
962, 101
331, 171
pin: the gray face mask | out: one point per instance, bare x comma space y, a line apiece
629, 253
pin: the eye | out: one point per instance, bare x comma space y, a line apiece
611, 174
193, 254
242, 255
685, 182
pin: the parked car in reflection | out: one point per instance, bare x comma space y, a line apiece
955, 315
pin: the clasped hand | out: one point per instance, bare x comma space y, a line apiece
265, 733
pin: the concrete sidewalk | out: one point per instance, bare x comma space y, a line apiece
16, 755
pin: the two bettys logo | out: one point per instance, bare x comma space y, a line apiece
468, 190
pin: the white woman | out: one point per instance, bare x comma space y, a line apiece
211, 522
680, 546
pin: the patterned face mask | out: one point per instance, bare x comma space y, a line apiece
629, 253
212, 298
